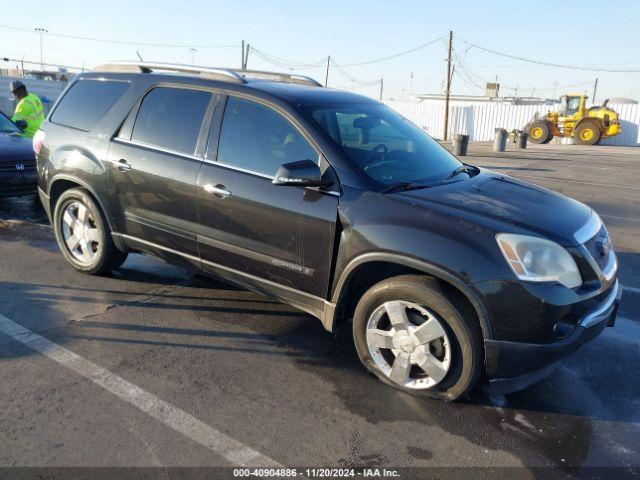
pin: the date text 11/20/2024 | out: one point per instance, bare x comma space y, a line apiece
316, 472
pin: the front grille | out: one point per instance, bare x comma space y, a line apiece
600, 248
17, 190
29, 166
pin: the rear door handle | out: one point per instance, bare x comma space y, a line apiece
123, 165
219, 191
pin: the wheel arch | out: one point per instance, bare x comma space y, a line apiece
365, 270
62, 182
596, 121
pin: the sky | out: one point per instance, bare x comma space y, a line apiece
598, 34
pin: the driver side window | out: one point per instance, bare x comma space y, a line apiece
258, 139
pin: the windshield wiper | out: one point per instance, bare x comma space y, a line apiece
470, 170
403, 186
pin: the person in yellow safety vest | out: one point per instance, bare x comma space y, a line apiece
29, 113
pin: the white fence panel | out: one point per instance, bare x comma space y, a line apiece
479, 121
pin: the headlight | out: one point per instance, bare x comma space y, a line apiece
538, 260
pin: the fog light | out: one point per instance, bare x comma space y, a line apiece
564, 327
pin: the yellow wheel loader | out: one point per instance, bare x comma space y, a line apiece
573, 119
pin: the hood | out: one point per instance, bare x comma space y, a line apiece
518, 205
15, 147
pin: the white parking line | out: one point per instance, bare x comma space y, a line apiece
221, 444
631, 289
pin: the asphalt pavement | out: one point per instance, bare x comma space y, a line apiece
154, 367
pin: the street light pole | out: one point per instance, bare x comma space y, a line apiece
41, 31
193, 55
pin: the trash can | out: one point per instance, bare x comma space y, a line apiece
500, 140
460, 144
522, 139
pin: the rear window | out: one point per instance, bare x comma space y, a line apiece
171, 118
86, 102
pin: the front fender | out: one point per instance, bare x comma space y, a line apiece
467, 290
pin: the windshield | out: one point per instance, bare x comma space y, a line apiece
6, 125
383, 144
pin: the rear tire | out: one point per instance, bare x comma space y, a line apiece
437, 354
587, 133
539, 131
83, 234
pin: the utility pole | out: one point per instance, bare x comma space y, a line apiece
326, 75
22, 62
448, 89
41, 31
595, 89
193, 55
246, 55
381, 87
242, 57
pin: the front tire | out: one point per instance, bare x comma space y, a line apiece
411, 336
540, 132
83, 234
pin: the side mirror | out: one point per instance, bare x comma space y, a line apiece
22, 124
304, 173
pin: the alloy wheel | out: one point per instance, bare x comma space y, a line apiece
80, 233
408, 344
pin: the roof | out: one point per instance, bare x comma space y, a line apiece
302, 94
289, 87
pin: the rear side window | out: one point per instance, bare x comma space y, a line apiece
257, 138
86, 102
171, 118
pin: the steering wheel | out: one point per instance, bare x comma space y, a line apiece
379, 148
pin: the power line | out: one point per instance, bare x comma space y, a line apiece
117, 42
549, 64
464, 67
31, 62
396, 55
284, 63
294, 65
351, 78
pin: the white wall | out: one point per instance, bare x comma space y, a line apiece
479, 121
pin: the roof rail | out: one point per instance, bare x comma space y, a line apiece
222, 74
279, 77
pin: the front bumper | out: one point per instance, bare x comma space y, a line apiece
513, 365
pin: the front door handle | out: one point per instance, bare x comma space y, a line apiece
219, 191
123, 165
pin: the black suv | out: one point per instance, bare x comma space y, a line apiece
335, 204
